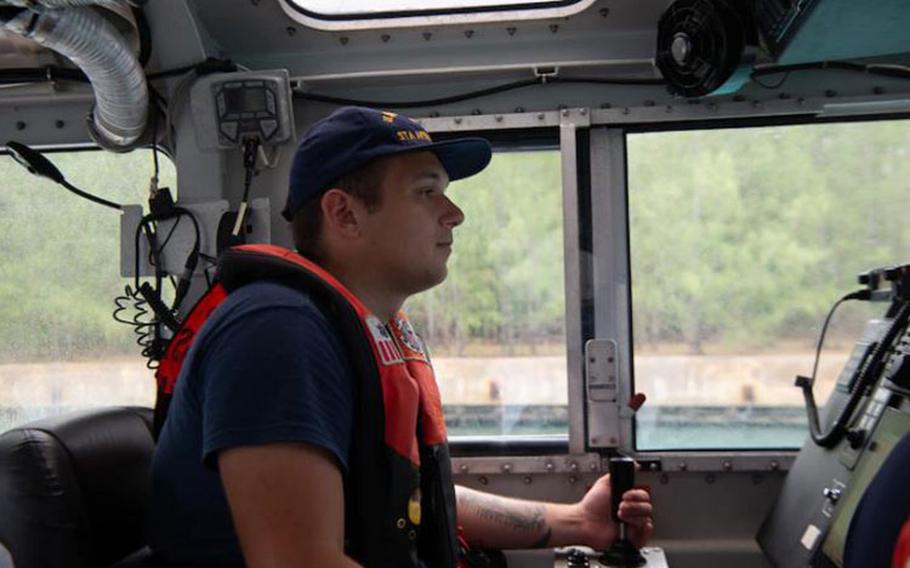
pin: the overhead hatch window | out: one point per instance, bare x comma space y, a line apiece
326, 14
373, 7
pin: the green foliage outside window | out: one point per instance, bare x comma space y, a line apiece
60, 255
741, 237
736, 236
61, 259
504, 294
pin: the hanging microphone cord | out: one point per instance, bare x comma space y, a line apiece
869, 371
150, 314
90, 197
250, 148
831, 437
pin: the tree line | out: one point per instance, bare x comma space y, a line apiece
747, 237
738, 238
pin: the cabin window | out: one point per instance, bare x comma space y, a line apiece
61, 350
496, 326
740, 242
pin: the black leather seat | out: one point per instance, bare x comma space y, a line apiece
74, 489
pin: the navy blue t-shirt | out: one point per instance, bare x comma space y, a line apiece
266, 367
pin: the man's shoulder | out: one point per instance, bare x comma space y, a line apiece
262, 302
266, 293
264, 296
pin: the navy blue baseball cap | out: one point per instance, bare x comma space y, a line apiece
352, 136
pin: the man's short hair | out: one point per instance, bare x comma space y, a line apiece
364, 183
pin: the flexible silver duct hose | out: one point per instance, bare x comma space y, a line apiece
92, 43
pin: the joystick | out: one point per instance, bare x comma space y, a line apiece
622, 552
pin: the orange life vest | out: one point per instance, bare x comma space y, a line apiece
399, 496
901, 556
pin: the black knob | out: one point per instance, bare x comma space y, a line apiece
832, 494
577, 559
856, 437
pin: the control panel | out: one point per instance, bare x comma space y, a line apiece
580, 556
809, 523
891, 425
800, 518
895, 383
872, 335
864, 424
231, 108
247, 108
897, 368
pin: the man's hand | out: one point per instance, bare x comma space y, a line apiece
491, 521
597, 527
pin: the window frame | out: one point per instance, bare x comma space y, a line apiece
538, 131
612, 256
433, 17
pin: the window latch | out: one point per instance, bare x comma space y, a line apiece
546, 72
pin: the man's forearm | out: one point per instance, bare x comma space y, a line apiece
491, 521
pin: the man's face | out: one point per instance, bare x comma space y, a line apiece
408, 238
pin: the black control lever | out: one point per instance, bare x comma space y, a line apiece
622, 552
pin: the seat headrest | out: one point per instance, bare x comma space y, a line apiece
75, 487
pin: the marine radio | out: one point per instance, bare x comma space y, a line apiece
231, 108
250, 111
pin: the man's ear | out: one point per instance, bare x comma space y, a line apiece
341, 212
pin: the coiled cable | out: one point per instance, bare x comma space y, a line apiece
141, 319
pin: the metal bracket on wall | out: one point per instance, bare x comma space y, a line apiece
178, 236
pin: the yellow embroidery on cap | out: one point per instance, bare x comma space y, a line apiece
411, 135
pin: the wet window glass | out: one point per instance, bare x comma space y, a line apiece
496, 326
61, 349
740, 241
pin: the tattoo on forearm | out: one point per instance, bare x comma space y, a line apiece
518, 517
544, 541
